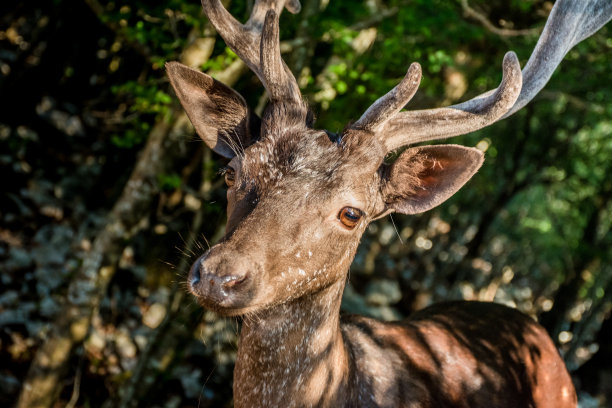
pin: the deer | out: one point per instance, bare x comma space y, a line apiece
298, 202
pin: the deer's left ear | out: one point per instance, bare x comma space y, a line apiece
424, 177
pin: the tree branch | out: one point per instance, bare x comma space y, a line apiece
502, 32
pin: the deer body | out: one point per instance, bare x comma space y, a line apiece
460, 354
299, 200
294, 348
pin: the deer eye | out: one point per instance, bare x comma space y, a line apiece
230, 175
350, 216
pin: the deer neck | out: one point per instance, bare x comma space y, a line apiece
293, 354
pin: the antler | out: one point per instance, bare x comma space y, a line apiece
388, 105
257, 43
570, 22
432, 124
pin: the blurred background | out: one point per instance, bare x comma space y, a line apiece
108, 195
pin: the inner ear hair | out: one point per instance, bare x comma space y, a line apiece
423, 177
410, 164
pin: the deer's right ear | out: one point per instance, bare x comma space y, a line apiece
219, 114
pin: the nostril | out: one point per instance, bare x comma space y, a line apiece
233, 281
195, 271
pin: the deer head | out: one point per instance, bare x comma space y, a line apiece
300, 198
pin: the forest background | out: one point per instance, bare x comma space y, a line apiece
108, 195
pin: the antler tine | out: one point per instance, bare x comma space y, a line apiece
432, 124
281, 86
243, 41
388, 105
261, 7
250, 40
569, 23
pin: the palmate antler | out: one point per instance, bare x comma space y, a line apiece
570, 22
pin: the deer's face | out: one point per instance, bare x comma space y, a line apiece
298, 201
298, 204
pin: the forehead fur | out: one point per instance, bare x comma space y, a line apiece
307, 156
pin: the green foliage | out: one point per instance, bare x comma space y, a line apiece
131, 137
146, 98
169, 182
221, 61
156, 25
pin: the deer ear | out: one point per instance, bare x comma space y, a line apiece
219, 114
423, 177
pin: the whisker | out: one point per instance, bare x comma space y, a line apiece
183, 252
205, 240
396, 231
170, 264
